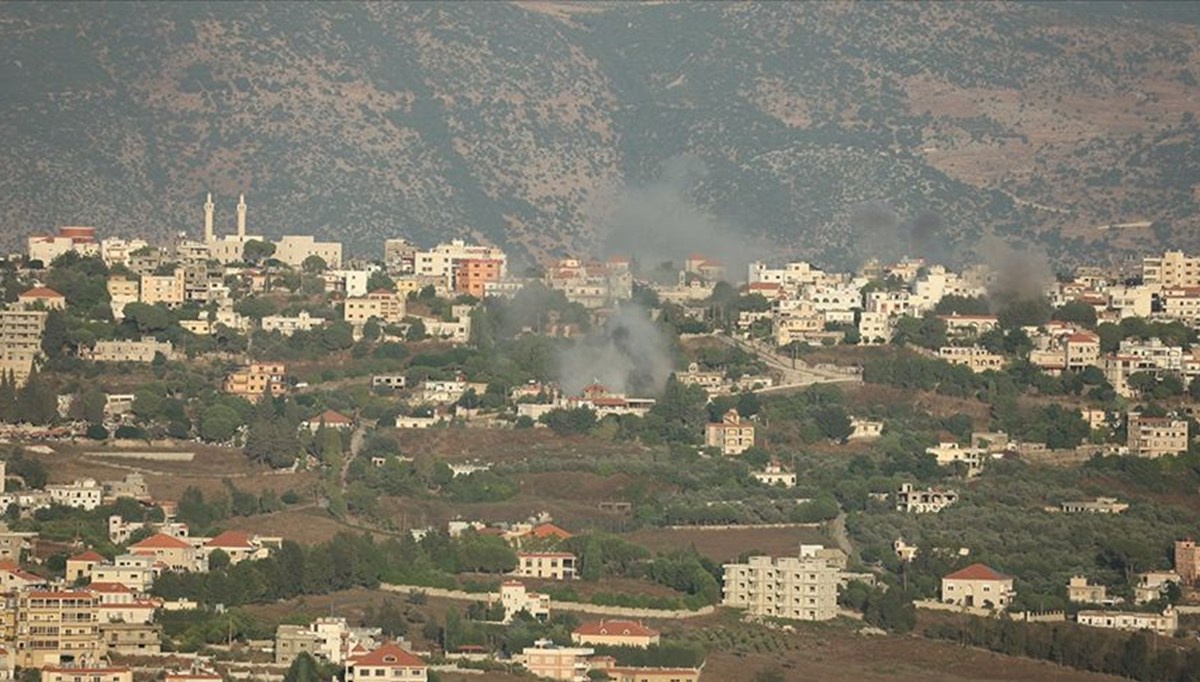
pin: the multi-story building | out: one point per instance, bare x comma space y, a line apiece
927, 500
978, 586
732, 436
1080, 591
514, 598
547, 660
238, 546
388, 663
329, 638
951, 454
443, 260
399, 256
121, 292
1187, 561
174, 553
381, 304
84, 494
615, 633
784, 587
80, 566
252, 381
119, 530
48, 247
973, 357
546, 565
116, 250
41, 298
1172, 269
874, 328
1165, 623
293, 250
144, 351
285, 325
472, 275
134, 571
1157, 436
57, 627
20, 342
86, 673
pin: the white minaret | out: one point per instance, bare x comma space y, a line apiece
241, 217
2, 475
208, 220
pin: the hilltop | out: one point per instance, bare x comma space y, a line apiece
831, 131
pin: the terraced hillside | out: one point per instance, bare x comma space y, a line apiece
833, 131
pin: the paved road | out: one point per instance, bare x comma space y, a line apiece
794, 373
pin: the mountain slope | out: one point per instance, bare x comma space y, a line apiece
833, 131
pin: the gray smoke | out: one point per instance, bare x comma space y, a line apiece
660, 222
1016, 274
630, 355
878, 231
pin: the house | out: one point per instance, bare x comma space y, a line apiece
775, 475
615, 633
174, 553
120, 530
915, 501
144, 351
131, 570
255, 379
288, 326
952, 454
546, 565
1080, 591
331, 419
86, 674
973, 357
545, 659
515, 599
329, 638
6, 665
1100, 505
192, 676
85, 494
799, 588
80, 566
1157, 436
238, 546
864, 429
1165, 623
1152, 585
43, 297
14, 578
387, 663
731, 436
978, 586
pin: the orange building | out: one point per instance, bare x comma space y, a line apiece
255, 379
473, 274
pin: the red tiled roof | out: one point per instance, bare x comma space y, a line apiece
977, 572
112, 588
41, 292
388, 654
1083, 337
15, 569
88, 556
161, 541
232, 539
547, 530
332, 417
547, 555
626, 628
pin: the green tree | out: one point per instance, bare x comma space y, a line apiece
303, 669
314, 264
256, 251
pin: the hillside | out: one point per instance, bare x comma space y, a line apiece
833, 131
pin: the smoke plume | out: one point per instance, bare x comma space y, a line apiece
1016, 274
880, 232
630, 355
660, 222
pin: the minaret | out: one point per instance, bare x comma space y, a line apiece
241, 233
208, 220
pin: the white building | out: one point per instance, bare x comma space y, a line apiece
785, 587
288, 325
1165, 623
86, 494
921, 501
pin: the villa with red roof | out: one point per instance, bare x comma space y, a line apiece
388, 663
978, 586
14, 578
615, 633
172, 552
238, 545
48, 298
331, 419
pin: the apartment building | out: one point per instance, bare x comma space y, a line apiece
383, 305
388, 663
121, 292
1165, 623
168, 290
546, 565
119, 530
874, 328
134, 571
57, 627
20, 342
784, 587
1172, 269
329, 638
472, 275
615, 633
925, 500
547, 660
978, 586
399, 256
731, 436
443, 260
972, 460
1155, 437
80, 566
252, 381
293, 250
86, 494
289, 325
143, 351
973, 357
86, 673
515, 599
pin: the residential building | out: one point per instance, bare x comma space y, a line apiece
1080, 591
1152, 585
125, 637
1172, 269
57, 627
515, 599
86, 673
391, 381
80, 566
238, 546
921, 501
302, 322
122, 291
252, 381
472, 275
1165, 623
41, 298
168, 290
973, 357
385, 306
48, 247
1187, 561
784, 587
774, 474
20, 342
615, 633
388, 663
952, 454
84, 494
643, 674
144, 351
117, 251
443, 260
174, 553
330, 419
119, 530
329, 638
865, 429
293, 250
399, 256
710, 380
13, 544
547, 660
13, 578
731, 436
546, 565
874, 328
1157, 436
134, 571
1100, 505
978, 586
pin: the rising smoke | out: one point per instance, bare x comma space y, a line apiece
630, 355
659, 222
1017, 274
879, 231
